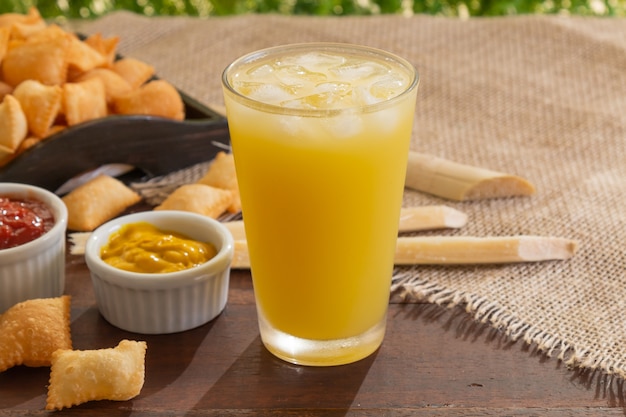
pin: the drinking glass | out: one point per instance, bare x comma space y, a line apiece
320, 134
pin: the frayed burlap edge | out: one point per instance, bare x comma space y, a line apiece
407, 284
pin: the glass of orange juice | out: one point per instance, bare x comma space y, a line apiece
320, 134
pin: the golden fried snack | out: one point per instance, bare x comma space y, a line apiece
5, 89
156, 98
106, 47
23, 25
41, 104
82, 57
26, 30
45, 61
5, 33
134, 71
32, 330
221, 174
97, 201
83, 101
114, 84
78, 376
9, 19
13, 124
198, 198
48, 33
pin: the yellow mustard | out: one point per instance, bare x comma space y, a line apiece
142, 247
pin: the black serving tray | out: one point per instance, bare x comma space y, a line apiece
154, 145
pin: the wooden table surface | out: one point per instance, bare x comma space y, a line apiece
433, 362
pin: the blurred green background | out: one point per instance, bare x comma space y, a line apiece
462, 8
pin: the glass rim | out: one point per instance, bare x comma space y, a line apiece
273, 108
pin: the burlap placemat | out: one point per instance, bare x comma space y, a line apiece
541, 97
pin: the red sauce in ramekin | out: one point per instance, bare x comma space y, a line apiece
23, 220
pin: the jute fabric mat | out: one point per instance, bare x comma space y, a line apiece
540, 97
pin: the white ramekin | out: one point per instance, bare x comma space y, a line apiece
162, 303
35, 269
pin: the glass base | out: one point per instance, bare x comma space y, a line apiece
321, 352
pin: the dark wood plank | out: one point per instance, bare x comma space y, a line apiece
434, 361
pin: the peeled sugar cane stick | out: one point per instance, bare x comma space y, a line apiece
435, 250
78, 241
460, 182
236, 229
412, 219
450, 250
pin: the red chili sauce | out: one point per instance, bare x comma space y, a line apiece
22, 221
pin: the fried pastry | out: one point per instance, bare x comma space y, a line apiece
221, 174
26, 30
13, 124
97, 201
40, 103
105, 46
114, 84
83, 101
134, 71
157, 98
48, 33
32, 330
23, 25
32, 17
5, 33
78, 376
4, 90
82, 57
198, 198
45, 61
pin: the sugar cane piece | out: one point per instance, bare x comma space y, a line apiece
236, 229
460, 182
439, 250
413, 219
241, 257
78, 241
453, 250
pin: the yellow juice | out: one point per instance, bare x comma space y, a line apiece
321, 178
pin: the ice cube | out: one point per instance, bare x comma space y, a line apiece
297, 75
385, 120
361, 96
266, 93
328, 95
358, 70
343, 126
260, 72
314, 60
336, 87
327, 100
389, 86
